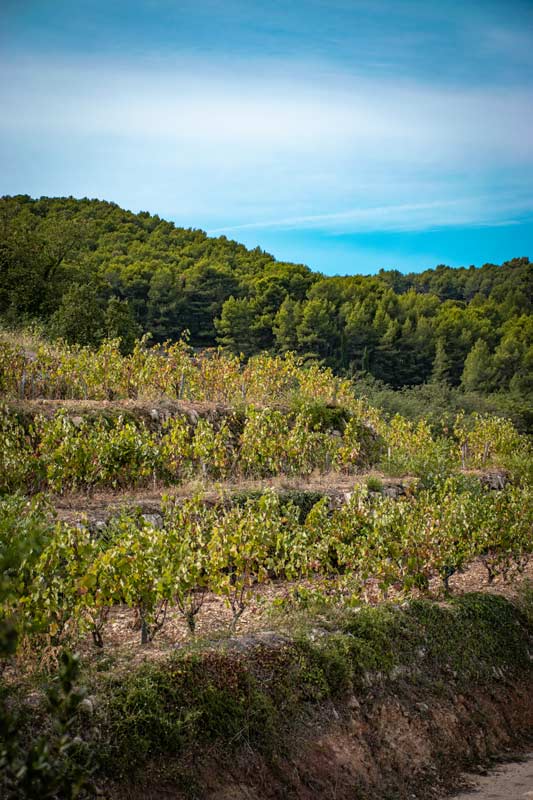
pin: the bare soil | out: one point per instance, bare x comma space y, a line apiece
414, 743
103, 503
155, 409
508, 781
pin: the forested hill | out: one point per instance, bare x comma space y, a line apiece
89, 269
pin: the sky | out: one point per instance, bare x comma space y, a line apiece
350, 135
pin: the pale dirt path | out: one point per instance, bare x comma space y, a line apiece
512, 781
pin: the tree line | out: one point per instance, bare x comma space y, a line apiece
89, 270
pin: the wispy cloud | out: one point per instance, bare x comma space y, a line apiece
472, 211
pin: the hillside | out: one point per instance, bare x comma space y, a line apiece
89, 269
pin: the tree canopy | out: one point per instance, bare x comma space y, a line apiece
88, 269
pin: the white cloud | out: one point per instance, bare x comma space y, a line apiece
262, 106
266, 144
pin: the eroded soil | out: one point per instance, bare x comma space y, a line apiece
412, 742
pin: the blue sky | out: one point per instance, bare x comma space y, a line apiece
346, 134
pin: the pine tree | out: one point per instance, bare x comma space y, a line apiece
80, 316
478, 372
441, 364
121, 324
235, 326
285, 323
318, 332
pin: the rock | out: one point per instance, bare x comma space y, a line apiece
155, 520
353, 703
494, 480
87, 705
393, 490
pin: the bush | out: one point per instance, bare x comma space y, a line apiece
374, 484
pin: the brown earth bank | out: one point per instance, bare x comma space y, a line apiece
153, 414
413, 743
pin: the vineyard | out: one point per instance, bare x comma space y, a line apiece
270, 417
71, 579
173, 370
194, 430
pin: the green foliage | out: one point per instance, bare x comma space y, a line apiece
246, 545
412, 450
58, 764
301, 499
87, 268
489, 440
176, 448
211, 450
405, 542
263, 441
440, 403
15, 454
270, 445
503, 536
80, 317
25, 531
324, 417
142, 719
53, 766
361, 446
374, 484
441, 371
120, 323
286, 324
187, 529
83, 453
317, 331
236, 326
478, 371
132, 570
67, 452
525, 600
401, 543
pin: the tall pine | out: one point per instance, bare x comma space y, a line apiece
441, 364
478, 372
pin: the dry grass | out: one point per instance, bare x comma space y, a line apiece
101, 504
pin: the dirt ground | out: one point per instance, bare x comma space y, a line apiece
510, 781
103, 503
